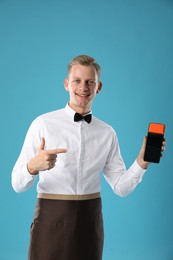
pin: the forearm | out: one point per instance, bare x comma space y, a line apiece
129, 180
123, 181
22, 180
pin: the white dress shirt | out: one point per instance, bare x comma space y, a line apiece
91, 149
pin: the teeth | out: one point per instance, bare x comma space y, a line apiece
84, 95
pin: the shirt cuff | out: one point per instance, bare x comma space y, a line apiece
137, 169
28, 176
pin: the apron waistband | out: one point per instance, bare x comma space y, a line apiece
68, 197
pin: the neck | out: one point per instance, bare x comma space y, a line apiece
80, 110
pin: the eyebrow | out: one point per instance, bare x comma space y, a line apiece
86, 79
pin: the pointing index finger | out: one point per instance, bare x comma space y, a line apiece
57, 151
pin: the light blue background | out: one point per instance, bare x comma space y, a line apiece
133, 42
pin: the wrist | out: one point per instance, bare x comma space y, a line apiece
143, 164
31, 170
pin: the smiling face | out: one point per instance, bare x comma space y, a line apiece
83, 84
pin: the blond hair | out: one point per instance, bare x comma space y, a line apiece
85, 60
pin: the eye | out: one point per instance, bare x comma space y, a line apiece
75, 82
91, 83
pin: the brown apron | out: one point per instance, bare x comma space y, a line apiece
67, 230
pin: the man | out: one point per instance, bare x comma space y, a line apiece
69, 151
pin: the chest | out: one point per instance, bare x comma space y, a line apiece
77, 137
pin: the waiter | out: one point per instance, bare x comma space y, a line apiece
68, 149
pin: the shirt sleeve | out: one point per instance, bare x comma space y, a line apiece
121, 180
22, 180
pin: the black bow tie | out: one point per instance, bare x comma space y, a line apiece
78, 117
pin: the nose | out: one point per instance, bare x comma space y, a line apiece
84, 85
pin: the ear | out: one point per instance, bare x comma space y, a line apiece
66, 84
99, 87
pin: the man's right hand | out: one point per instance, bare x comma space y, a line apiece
44, 160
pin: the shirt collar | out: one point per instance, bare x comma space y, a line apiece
71, 112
